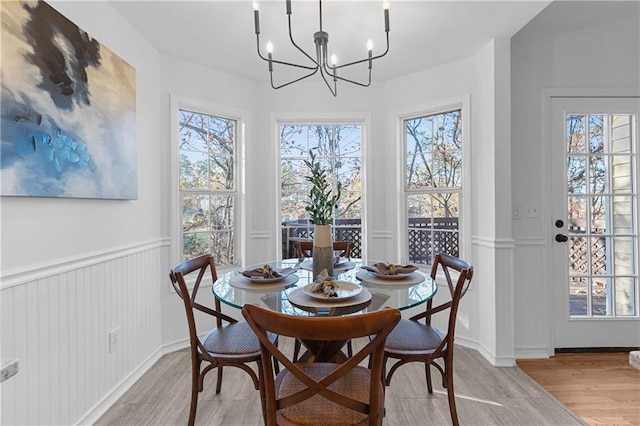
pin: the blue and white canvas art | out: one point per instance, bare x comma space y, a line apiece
68, 103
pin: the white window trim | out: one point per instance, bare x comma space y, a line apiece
181, 102
363, 119
462, 102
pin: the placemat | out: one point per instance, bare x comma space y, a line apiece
240, 281
366, 276
298, 297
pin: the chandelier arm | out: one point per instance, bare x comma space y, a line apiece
355, 82
298, 47
334, 90
279, 62
293, 81
366, 59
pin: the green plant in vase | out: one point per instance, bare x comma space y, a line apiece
320, 206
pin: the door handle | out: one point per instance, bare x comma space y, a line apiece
561, 238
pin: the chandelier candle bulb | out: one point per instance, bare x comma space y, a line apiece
256, 16
386, 16
270, 53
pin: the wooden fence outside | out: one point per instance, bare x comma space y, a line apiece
427, 236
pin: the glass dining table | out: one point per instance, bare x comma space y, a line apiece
364, 291
358, 289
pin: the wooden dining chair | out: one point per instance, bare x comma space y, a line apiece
305, 248
417, 340
322, 393
229, 343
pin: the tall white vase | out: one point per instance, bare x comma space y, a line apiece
322, 250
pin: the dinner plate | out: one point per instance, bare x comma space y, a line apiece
284, 274
265, 280
240, 281
398, 276
344, 289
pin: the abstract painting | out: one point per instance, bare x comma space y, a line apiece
68, 104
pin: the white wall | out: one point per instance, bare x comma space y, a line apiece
482, 80
73, 269
569, 45
193, 83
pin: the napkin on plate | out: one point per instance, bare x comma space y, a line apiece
384, 268
324, 284
268, 272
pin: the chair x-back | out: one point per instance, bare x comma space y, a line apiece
230, 343
305, 248
323, 393
416, 340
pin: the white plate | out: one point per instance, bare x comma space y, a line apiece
344, 289
391, 277
264, 280
284, 272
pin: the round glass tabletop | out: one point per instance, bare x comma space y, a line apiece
287, 294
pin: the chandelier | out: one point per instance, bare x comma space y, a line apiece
328, 71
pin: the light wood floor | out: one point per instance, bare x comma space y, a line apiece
602, 388
485, 395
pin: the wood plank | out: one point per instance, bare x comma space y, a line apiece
602, 388
484, 394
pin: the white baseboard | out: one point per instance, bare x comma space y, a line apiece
532, 353
94, 414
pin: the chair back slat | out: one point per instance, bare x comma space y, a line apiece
305, 248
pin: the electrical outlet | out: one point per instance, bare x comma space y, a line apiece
114, 339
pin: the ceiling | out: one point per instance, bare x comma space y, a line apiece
423, 34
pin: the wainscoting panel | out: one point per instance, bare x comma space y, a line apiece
532, 323
58, 326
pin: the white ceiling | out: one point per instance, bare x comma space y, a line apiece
424, 34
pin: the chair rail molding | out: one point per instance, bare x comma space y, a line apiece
40, 271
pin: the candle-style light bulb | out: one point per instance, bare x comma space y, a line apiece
270, 55
370, 45
334, 60
385, 6
256, 16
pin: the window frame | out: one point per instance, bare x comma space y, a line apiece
461, 103
361, 119
184, 103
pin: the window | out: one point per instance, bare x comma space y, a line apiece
338, 148
207, 185
601, 216
433, 184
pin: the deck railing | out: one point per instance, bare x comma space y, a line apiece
427, 236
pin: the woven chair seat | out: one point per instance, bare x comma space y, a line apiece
413, 336
318, 410
236, 338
